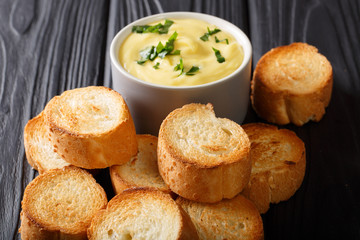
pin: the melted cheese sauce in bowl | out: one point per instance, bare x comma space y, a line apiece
193, 52
154, 86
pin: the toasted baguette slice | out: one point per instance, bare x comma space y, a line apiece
142, 213
59, 204
292, 84
91, 127
39, 151
235, 218
278, 164
202, 157
142, 170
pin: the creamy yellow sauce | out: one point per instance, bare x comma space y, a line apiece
193, 51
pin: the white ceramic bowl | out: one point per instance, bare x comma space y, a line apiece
150, 103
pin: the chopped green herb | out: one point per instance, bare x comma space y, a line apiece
141, 62
162, 54
219, 58
153, 54
224, 40
169, 46
192, 71
156, 66
165, 28
205, 37
180, 67
150, 53
176, 52
145, 54
159, 47
170, 43
158, 28
216, 30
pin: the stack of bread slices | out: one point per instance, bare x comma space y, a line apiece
202, 177
78, 132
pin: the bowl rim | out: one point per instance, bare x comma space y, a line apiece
245, 43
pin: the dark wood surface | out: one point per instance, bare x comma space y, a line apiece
47, 47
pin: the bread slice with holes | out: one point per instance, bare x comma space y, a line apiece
91, 127
59, 204
292, 84
278, 164
230, 219
201, 157
39, 151
142, 170
142, 213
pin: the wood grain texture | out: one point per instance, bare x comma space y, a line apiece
328, 204
47, 47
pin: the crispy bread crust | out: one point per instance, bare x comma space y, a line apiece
137, 195
94, 150
147, 145
29, 151
198, 181
30, 230
235, 218
37, 129
281, 95
36, 226
277, 176
118, 183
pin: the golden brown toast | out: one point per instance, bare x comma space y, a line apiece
142, 170
91, 127
59, 204
142, 213
230, 219
40, 153
278, 164
202, 157
292, 84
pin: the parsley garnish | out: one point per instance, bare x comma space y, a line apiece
176, 52
150, 53
219, 58
156, 66
205, 37
169, 46
158, 28
180, 66
224, 40
192, 71
147, 54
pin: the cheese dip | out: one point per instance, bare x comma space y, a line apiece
199, 53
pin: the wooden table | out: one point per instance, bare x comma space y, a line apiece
47, 47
